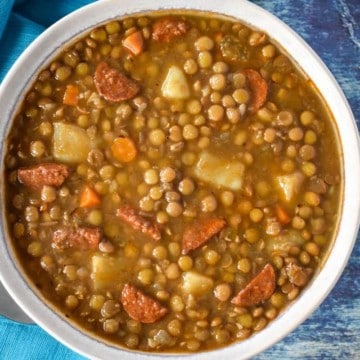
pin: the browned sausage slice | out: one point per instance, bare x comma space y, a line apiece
199, 232
113, 85
141, 307
84, 238
259, 89
258, 290
138, 222
43, 174
169, 28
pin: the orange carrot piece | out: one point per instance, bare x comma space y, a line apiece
71, 95
123, 149
282, 215
89, 197
134, 43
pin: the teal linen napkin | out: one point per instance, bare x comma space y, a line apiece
26, 342
21, 21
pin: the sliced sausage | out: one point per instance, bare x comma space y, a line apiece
259, 89
141, 307
83, 238
113, 85
169, 28
258, 290
138, 222
199, 232
43, 174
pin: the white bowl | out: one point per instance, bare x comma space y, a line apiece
50, 43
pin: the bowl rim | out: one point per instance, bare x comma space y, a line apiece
52, 41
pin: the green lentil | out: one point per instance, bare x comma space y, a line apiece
95, 217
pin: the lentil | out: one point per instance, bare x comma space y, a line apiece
190, 132
48, 194
296, 134
233, 114
190, 66
244, 265
256, 215
220, 67
222, 292
204, 43
157, 137
174, 209
205, 59
71, 302
146, 276
216, 112
37, 149
209, 203
185, 263
241, 96
217, 82
285, 118
176, 303
151, 177
172, 272
111, 326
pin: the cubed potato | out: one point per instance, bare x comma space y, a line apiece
289, 185
175, 85
71, 144
107, 271
220, 171
195, 283
282, 243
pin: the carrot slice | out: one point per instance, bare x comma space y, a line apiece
282, 215
259, 89
71, 95
89, 197
134, 43
123, 149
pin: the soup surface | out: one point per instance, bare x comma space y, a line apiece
173, 182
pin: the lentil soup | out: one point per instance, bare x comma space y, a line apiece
173, 182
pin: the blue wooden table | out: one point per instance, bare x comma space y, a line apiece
332, 28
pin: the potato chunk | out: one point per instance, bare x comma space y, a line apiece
175, 85
107, 272
220, 172
195, 283
71, 144
289, 185
281, 244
